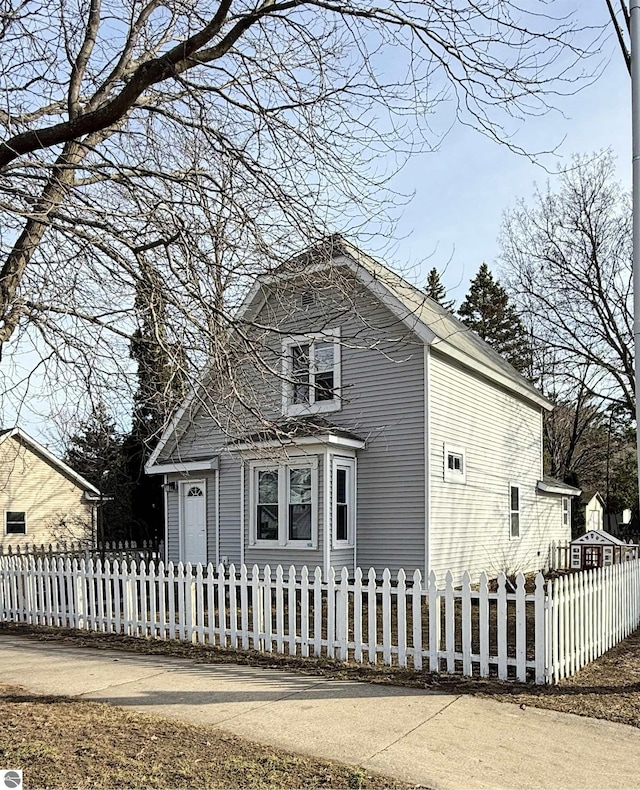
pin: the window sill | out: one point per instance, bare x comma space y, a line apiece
302, 546
298, 409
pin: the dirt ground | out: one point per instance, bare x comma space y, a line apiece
65, 742
609, 688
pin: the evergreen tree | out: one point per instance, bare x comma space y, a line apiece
95, 451
486, 309
436, 290
161, 386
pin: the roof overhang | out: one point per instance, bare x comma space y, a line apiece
184, 467
556, 487
325, 440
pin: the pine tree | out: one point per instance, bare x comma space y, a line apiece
436, 290
486, 309
95, 451
161, 386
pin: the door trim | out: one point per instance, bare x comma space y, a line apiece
181, 497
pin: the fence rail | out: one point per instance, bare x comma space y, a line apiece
542, 634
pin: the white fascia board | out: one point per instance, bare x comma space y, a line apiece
551, 488
51, 458
308, 442
182, 466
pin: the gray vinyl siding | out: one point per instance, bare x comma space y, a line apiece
173, 524
501, 435
230, 508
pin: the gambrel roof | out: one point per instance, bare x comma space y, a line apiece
427, 319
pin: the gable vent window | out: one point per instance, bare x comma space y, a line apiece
308, 299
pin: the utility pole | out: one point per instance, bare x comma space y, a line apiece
634, 32
631, 55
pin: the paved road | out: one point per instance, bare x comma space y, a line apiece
439, 740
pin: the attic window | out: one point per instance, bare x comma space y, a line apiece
308, 299
311, 373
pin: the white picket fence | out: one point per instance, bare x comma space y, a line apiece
542, 636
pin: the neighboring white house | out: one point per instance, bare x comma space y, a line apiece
42, 500
376, 430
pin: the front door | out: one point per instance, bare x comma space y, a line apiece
194, 523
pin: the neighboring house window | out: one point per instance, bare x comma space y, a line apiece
344, 502
284, 503
514, 511
16, 522
311, 369
566, 513
455, 464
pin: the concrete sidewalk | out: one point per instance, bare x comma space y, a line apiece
438, 740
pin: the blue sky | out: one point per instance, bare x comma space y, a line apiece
462, 189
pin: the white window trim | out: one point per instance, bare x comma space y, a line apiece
518, 511
566, 511
293, 409
350, 464
15, 534
451, 475
283, 466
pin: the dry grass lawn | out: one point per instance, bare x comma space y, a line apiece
71, 743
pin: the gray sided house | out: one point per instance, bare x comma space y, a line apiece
362, 425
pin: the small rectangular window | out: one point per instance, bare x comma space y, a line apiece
16, 522
455, 466
514, 514
565, 511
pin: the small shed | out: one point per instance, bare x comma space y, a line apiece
599, 549
593, 506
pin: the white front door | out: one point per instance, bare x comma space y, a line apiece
194, 523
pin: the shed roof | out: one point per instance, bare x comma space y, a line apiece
598, 536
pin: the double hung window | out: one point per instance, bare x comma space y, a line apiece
311, 370
15, 522
344, 501
285, 503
